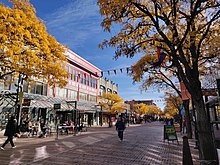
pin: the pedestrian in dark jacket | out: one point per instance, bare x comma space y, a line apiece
120, 127
10, 131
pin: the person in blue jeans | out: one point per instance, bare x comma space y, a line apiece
120, 127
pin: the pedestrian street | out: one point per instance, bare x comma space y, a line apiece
142, 145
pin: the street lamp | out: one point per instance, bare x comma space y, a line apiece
100, 113
101, 116
19, 98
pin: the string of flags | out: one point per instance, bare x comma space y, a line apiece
115, 71
161, 57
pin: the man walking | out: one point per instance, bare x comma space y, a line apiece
120, 127
10, 131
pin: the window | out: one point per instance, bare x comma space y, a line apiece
71, 74
33, 86
51, 91
61, 92
25, 86
83, 97
81, 78
72, 95
92, 98
109, 90
101, 90
7, 84
84, 77
1, 85
87, 80
76, 76
39, 89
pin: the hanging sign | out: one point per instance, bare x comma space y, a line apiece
57, 106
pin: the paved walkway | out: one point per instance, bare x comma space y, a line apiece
142, 145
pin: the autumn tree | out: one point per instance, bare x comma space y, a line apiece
26, 48
113, 103
173, 104
161, 78
187, 32
141, 109
154, 110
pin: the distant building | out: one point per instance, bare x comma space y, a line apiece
105, 86
132, 102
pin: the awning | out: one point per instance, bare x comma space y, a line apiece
47, 102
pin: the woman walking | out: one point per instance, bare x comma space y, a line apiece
120, 127
10, 131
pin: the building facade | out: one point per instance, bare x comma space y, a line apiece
106, 86
40, 102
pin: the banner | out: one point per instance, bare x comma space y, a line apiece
184, 92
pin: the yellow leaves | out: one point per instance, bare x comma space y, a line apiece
111, 102
143, 109
27, 47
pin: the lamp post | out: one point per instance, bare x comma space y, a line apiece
101, 116
19, 98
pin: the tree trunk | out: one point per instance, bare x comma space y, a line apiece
207, 148
109, 121
188, 119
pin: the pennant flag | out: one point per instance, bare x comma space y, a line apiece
127, 70
115, 71
161, 57
184, 92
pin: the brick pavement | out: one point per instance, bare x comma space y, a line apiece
142, 145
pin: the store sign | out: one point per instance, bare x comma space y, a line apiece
57, 106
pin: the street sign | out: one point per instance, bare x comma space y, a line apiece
57, 106
170, 133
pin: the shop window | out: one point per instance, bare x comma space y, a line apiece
83, 96
33, 88
25, 86
39, 89
92, 98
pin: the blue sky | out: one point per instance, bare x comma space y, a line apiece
76, 23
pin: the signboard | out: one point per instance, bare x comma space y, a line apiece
170, 133
57, 106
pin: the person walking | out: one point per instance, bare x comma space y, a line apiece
10, 131
120, 127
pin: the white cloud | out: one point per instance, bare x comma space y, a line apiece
74, 22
